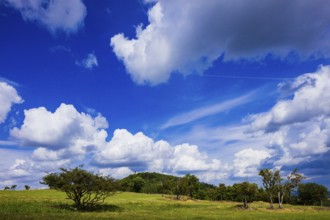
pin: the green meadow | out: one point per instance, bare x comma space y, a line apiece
50, 204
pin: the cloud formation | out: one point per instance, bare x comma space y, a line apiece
65, 128
8, 97
207, 111
54, 15
311, 98
65, 137
187, 37
298, 127
140, 153
89, 62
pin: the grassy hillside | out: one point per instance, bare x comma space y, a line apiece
49, 204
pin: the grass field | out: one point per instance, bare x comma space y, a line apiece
49, 204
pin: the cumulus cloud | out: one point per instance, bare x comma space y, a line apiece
55, 15
301, 142
65, 137
187, 37
8, 97
247, 162
65, 128
298, 127
311, 98
89, 62
117, 173
140, 153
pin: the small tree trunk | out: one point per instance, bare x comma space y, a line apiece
246, 204
271, 202
280, 201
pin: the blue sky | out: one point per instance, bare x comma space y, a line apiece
212, 88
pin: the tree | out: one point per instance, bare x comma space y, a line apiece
13, 187
27, 187
221, 192
6, 188
312, 193
137, 184
181, 188
187, 185
192, 184
86, 189
245, 192
285, 186
269, 183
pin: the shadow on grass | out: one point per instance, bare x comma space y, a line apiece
98, 208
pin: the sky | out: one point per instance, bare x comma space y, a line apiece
215, 88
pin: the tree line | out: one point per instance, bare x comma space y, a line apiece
275, 188
88, 190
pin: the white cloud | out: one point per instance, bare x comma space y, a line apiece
140, 153
65, 128
207, 111
65, 137
89, 62
117, 173
298, 127
311, 98
8, 97
187, 37
301, 142
55, 15
247, 162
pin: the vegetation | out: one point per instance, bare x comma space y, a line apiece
87, 190
312, 194
27, 187
51, 204
269, 183
245, 192
273, 182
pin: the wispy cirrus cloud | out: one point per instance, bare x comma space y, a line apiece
209, 110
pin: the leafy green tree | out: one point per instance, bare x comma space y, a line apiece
181, 188
312, 193
137, 184
6, 188
87, 190
221, 192
13, 187
285, 186
245, 192
192, 184
269, 183
27, 187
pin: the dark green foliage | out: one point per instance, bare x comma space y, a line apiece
13, 187
137, 184
152, 183
312, 194
27, 187
87, 190
206, 192
188, 185
6, 188
245, 192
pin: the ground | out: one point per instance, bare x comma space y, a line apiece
50, 204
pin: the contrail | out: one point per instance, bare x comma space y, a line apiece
249, 77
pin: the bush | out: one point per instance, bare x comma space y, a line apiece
87, 190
